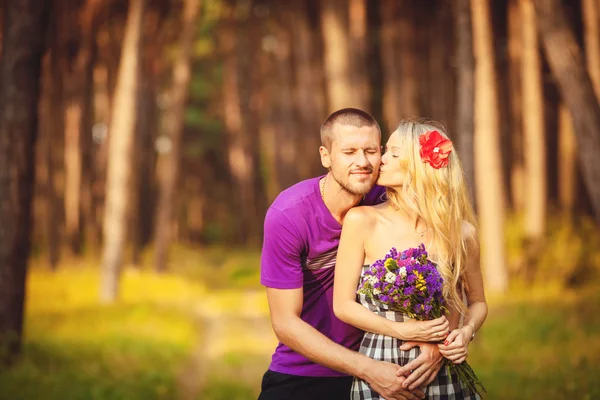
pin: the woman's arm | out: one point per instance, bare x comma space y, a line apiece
350, 259
456, 345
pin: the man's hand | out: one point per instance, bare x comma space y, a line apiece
383, 378
422, 369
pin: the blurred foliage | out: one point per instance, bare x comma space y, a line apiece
568, 255
215, 267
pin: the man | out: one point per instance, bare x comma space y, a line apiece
316, 357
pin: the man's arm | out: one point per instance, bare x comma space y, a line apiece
281, 272
421, 371
286, 305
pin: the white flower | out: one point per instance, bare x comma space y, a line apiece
372, 280
390, 277
376, 291
402, 272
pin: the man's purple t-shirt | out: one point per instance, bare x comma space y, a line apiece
299, 250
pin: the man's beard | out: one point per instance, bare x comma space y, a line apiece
355, 189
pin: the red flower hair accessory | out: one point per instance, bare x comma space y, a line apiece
435, 149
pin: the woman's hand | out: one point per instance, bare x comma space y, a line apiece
434, 330
455, 348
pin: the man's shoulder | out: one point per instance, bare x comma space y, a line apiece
295, 197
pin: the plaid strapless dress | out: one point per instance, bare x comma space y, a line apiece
386, 348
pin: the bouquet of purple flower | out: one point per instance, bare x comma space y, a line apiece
410, 283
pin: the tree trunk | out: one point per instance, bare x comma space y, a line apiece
72, 158
591, 19
1, 27
119, 157
50, 104
284, 113
533, 127
358, 52
465, 66
19, 92
488, 164
143, 191
102, 109
174, 122
441, 90
309, 94
78, 119
566, 63
51, 129
517, 173
567, 155
240, 116
406, 57
334, 22
391, 68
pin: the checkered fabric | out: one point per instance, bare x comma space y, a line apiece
386, 348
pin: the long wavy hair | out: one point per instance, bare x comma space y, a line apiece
441, 199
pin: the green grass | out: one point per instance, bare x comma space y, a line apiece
540, 342
76, 348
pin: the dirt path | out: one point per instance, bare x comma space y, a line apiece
236, 342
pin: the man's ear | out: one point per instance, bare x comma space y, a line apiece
325, 157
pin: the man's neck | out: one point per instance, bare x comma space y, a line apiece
337, 200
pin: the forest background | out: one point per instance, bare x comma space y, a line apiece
141, 142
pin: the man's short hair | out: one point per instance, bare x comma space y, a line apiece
345, 116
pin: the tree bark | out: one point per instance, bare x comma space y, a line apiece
284, 112
517, 173
441, 90
334, 22
119, 157
1, 27
240, 117
533, 127
391, 68
78, 120
567, 156
308, 91
51, 101
591, 20
488, 164
143, 191
566, 63
24, 28
358, 52
406, 57
100, 137
465, 67
174, 122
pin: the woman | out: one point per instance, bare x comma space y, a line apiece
427, 203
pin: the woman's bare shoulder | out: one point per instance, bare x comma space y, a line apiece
364, 215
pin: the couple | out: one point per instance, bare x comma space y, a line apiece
333, 344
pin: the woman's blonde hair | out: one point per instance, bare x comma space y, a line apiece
441, 199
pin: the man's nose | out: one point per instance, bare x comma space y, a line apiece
362, 159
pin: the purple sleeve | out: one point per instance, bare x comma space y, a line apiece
280, 265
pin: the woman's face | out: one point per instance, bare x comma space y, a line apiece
391, 173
